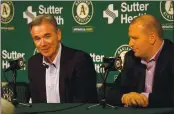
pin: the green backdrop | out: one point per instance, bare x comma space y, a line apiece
99, 28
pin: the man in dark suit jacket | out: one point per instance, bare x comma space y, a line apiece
58, 74
147, 77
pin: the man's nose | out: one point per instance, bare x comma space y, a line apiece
42, 41
130, 43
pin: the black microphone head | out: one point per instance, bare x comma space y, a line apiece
21, 63
16, 64
118, 63
112, 63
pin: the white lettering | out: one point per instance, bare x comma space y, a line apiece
133, 7
123, 7
41, 9
50, 10
127, 19
11, 55
98, 69
97, 58
5, 64
59, 20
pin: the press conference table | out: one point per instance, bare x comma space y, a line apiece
82, 109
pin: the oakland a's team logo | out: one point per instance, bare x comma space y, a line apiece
35, 51
7, 11
167, 10
82, 11
121, 51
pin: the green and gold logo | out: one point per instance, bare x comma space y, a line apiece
167, 10
7, 11
82, 11
121, 51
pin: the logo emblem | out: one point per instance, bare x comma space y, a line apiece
7, 11
29, 14
35, 51
121, 51
110, 13
82, 11
167, 10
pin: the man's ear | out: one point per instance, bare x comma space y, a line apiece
59, 34
152, 38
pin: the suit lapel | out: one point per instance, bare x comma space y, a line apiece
63, 90
41, 80
141, 73
160, 65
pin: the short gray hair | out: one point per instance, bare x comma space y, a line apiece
39, 19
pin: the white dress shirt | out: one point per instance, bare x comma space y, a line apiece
52, 79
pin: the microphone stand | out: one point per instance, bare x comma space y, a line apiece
103, 102
15, 102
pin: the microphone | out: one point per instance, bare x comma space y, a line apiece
16, 64
103, 65
112, 63
45, 65
118, 63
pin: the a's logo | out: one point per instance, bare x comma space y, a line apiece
29, 14
7, 11
110, 13
121, 51
167, 10
82, 11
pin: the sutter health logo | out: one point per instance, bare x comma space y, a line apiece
82, 11
7, 11
127, 11
110, 13
167, 10
29, 14
54, 10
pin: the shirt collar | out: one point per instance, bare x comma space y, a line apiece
155, 57
56, 61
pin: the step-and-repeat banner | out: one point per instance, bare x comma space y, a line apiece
99, 28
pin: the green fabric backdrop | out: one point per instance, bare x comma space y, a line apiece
93, 34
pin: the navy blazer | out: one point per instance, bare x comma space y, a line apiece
132, 79
77, 77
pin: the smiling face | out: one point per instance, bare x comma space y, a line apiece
139, 40
46, 39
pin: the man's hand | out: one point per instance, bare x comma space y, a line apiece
134, 99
